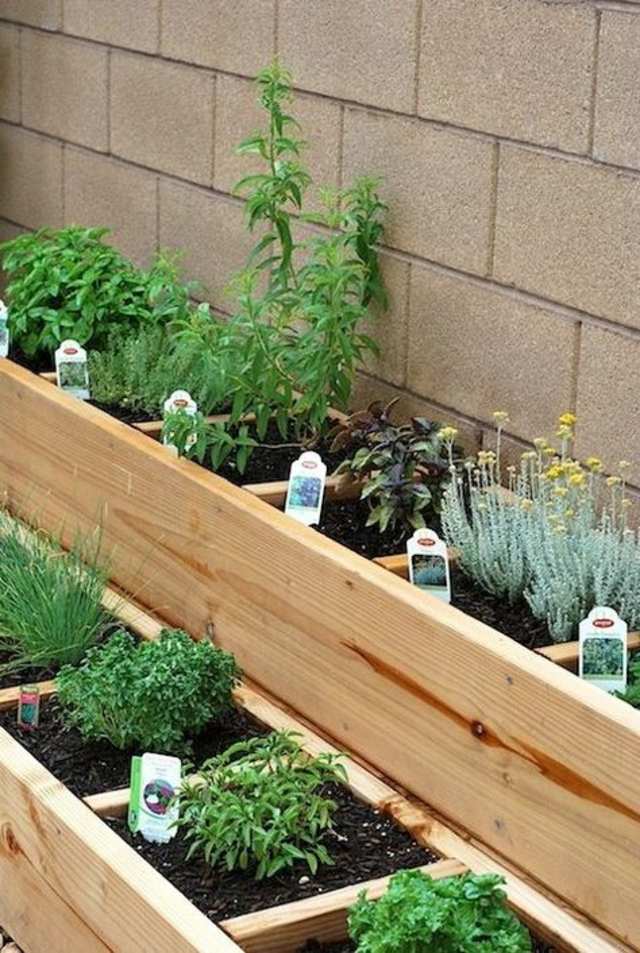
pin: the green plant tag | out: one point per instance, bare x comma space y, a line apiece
134, 794
429, 564
29, 707
72, 373
603, 649
153, 811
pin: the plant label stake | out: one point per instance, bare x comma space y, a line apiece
180, 401
306, 488
155, 779
72, 373
603, 649
4, 330
429, 564
29, 707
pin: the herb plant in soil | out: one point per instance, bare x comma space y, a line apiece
172, 695
68, 283
50, 602
265, 823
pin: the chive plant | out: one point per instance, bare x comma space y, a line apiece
50, 601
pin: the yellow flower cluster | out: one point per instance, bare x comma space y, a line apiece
448, 434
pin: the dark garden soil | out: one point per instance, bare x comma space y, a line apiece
363, 844
314, 947
125, 414
94, 767
515, 621
24, 677
345, 521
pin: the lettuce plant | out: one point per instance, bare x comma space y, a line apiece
148, 696
260, 806
466, 914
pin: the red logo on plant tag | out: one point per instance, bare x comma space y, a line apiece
603, 623
425, 541
70, 350
309, 464
180, 402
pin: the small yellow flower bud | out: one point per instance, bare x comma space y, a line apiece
613, 481
576, 479
447, 433
567, 420
540, 443
624, 465
500, 416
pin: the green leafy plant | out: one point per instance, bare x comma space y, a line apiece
465, 914
632, 693
293, 345
192, 436
140, 371
50, 601
404, 466
68, 283
260, 806
149, 696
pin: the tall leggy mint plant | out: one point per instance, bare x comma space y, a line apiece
293, 346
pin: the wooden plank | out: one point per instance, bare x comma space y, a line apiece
109, 803
285, 929
9, 697
50, 376
275, 492
536, 764
131, 614
77, 874
566, 654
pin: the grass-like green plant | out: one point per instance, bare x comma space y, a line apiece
260, 806
292, 347
632, 693
148, 696
559, 536
68, 283
50, 601
452, 915
404, 466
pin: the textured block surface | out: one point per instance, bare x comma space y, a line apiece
608, 406
517, 68
130, 23
9, 73
438, 185
211, 230
233, 35
162, 116
481, 350
102, 191
617, 129
64, 88
363, 50
569, 231
31, 180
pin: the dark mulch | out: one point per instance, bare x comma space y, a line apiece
266, 465
125, 414
314, 947
515, 621
90, 768
364, 844
345, 521
25, 676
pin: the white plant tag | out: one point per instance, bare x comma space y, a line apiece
429, 564
603, 649
4, 330
72, 373
305, 492
180, 400
155, 779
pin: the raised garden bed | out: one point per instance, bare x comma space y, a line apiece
535, 764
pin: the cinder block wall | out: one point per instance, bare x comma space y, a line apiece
507, 133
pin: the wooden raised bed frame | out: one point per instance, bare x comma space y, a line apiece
522, 756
